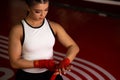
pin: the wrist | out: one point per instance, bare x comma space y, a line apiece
64, 63
36, 63
49, 64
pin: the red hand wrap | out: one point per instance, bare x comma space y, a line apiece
64, 63
49, 64
53, 77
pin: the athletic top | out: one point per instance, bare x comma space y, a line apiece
38, 43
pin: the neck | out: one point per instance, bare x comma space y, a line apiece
33, 22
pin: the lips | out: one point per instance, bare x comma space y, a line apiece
41, 18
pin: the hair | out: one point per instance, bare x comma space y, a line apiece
31, 3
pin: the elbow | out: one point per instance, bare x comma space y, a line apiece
14, 65
75, 48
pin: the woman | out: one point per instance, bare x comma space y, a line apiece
31, 45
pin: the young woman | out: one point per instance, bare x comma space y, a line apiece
31, 45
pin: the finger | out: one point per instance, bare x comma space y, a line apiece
56, 73
69, 68
60, 71
63, 71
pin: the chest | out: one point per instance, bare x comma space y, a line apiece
41, 38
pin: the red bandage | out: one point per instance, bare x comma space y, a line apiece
49, 64
53, 76
64, 63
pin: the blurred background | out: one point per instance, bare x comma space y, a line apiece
93, 24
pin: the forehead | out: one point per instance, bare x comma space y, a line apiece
41, 6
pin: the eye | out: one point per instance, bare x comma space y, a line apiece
46, 9
37, 11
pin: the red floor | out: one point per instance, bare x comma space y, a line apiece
98, 38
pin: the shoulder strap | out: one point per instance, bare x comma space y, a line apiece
51, 28
23, 36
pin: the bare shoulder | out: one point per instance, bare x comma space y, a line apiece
16, 30
55, 26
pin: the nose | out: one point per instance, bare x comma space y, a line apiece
42, 14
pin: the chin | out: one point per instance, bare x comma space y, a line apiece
41, 19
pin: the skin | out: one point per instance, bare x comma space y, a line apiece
37, 13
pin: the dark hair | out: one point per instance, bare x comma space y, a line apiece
31, 3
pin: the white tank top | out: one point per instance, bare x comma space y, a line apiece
37, 44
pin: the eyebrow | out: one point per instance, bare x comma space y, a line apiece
40, 9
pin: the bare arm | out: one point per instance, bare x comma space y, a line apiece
15, 49
65, 40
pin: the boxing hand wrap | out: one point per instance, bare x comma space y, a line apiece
64, 63
53, 77
49, 64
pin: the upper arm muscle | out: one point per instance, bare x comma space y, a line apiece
62, 35
15, 43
